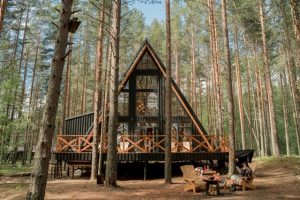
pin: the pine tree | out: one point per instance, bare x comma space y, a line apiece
112, 157
168, 99
43, 147
229, 89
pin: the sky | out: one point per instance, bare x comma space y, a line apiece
151, 11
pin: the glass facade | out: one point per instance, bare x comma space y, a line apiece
146, 63
141, 105
146, 82
123, 104
146, 104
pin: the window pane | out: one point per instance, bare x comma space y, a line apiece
146, 63
123, 129
177, 109
147, 103
123, 104
146, 82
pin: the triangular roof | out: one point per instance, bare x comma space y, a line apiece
147, 48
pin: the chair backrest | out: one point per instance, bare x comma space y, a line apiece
188, 171
124, 146
187, 145
252, 166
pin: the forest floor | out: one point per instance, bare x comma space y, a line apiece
275, 179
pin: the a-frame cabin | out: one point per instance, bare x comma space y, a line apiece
141, 121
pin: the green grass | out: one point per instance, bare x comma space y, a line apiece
284, 160
9, 170
15, 186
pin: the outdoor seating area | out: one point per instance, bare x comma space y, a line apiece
211, 182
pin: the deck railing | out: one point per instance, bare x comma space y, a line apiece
144, 143
73, 143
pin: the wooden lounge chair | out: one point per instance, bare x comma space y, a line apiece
248, 182
193, 181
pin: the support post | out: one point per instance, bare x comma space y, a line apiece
145, 170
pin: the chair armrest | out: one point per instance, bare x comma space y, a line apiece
190, 179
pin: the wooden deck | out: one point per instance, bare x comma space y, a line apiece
143, 157
242, 155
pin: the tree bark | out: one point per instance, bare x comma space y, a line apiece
3, 4
112, 157
285, 115
23, 94
292, 74
66, 90
249, 91
193, 73
231, 122
105, 106
16, 134
27, 144
269, 90
168, 99
69, 75
177, 61
260, 106
76, 88
84, 78
296, 23
98, 67
216, 76
10, 113
239, 86
43, 147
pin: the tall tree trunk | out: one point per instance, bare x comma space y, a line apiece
292, 71
296, 23
43, 147
217, 88
112, 157
84, 78
269, 90
193, 74
21, 60
27, 146
3, 4
229, 89
260, 106
105, 105
69, 81
208, 104
168, 99
23, 87
76, 95
249, 91
200, 96
22, 96
285, 115
17, 134
177, 61
66, 90
97, 101
239, 85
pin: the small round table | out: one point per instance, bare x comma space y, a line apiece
212, 182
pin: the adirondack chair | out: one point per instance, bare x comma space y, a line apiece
247, 182
193, 181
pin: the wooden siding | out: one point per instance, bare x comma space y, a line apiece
79, 125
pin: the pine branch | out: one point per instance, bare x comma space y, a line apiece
54, 24
100, 9
98, 20
70, 50
75, 11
